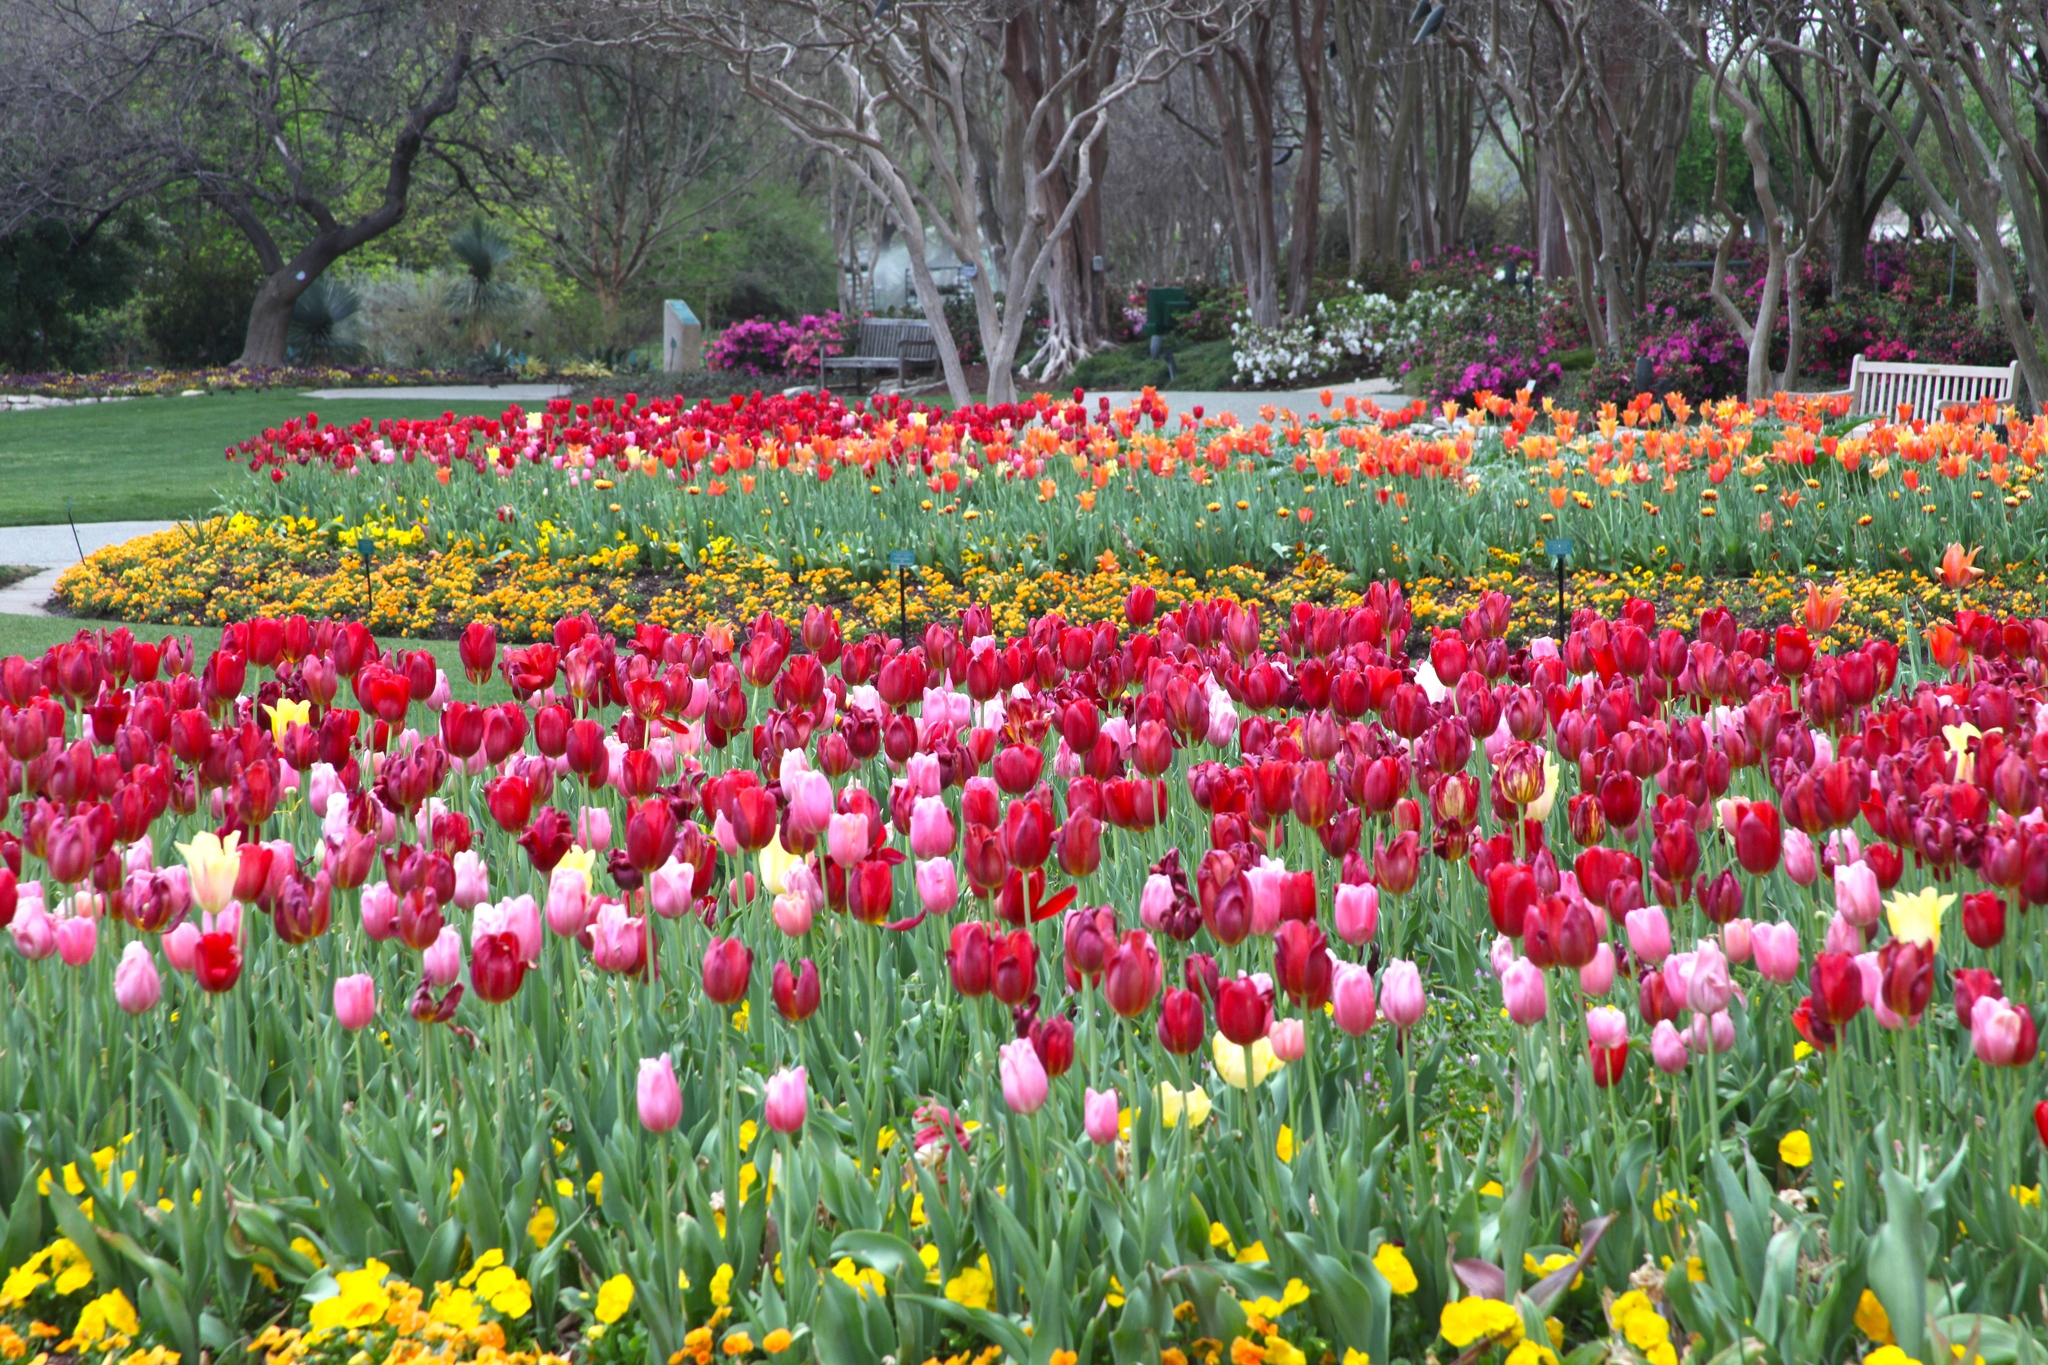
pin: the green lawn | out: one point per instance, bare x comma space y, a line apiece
152, 459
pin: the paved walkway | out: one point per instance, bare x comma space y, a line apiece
53, 549
451, 393
1302, 402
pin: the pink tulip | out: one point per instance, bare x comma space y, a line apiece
938, 885
322, 782
1776, 947
722, 832
1155, 902
931, 828
1708, 988
1025, 1086
1737, 940
1606, 1026
1667, 1048
810, 801
1873, 992
594, 827
1857, 897
472, 880
1265, 878
1099, 1114
355, 1001
569, 910
1356, 908
140, 857
2001, 1033
1521, 990
1677, 972
1401, 995
76, 939
1596, 978
1501, 955
788, 1099
1711, 1032
668, 888
442, 962
793, 915
846, 838
1800, 865
180, 945
618, 941
441, 695
1649, 934
1222, 721
1352, 1006
137, 987
802, 880
923, 774
1289, 1039
660, 1098
1842, 937
380, 912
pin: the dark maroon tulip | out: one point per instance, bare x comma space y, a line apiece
1013, 972
1132, 974
1302, 965
1243, 1011
796, 993
970, 958
1053, 1040
1181, 1026
728, 966
496, 969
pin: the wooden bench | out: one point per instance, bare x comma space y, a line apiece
1878, 387
883, 345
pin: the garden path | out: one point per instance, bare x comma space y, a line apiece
53, 549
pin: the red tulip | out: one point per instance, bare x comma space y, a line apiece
1181, 1025
1984, 919
1757, 837
1396, 866
547, 839
1301, 964
1027, 834
1053, 1040
796, 993
1088, 935
510, 802
1243, 1010
650, 834
1227, 910
217, 962
728, 965
479, 650
1079, 844
1837, 987
1013, 967
1906, 977
970, 958
496, 967
1131, 974
2041, 1120
870, 890
1608, 1063
1510, 895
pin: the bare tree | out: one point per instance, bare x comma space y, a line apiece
597, 146
302, 121
921, 99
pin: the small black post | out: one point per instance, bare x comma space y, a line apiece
1560, 601
902, 611
74, 529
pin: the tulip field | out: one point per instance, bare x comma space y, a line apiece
1180, 976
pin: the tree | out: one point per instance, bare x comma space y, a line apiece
932, 104
302, 122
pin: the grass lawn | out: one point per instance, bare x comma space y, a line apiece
153, 459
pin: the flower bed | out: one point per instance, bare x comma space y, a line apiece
1202, 987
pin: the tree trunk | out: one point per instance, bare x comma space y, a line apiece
270, 322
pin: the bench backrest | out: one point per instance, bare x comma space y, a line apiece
1879, 386
892, 337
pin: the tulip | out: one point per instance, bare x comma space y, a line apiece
787, 1100
77, 937
2041, 1120
497, 967
472, 880
1181, 1024
932, 834
1013, 967
1837, 987
2001, 1033
1984, 919
1301, 962
179, 945
1596, 978
1352, 1006
1131, 974
1289, 1039
137, 987
1053, 1040
1842, 936
810, 801
1667, 1048
796, 993
618, 941
668, 889
217, 962
355, 1001
1243, 1010
569, 907
1711, 1033
1356, 909
846, 838
938, 885
1401, 994
1857, 898
214, 864
1100, 1115
1606, 1027
1608, 1063
1800, 865
442, 962
1156, 900
1231, 1058
1757, 838
659, 1095
594, 827
1737, 940
728, 966
1707, 986
970, 958
1905, 979
1776, 949
1522, 991
1025, 1085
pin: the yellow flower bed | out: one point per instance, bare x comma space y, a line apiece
235, 568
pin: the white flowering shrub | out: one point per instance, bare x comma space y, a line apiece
1354, 327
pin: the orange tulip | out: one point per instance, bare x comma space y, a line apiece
1824, 607
1959, 567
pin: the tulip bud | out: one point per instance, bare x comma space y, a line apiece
787, 1100
1100, 1115
1352, 1002
1984, 918
137, 986
1596, 978
1356, 910
1025, 1085
1289, 1039
1667, 1048
355, 1001
1181, 1024
660, 1097
797, 992
1522, 992
1401, 994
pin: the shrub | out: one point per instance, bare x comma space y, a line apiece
762, 347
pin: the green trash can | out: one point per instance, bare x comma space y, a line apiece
1162, 306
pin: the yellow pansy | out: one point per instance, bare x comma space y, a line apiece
1872, 1320
304, 1246
614, 1297
1891, 1355
721, 1286
596, 1186
865, 1279
1795, 1149
974, 1286
1283, 1146
1471, 1319
541, 1227
456, 1308
1392, 1263
1229, 1058
110, 1311
1915, 916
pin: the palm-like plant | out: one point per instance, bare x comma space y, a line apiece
483, 291
321, 320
